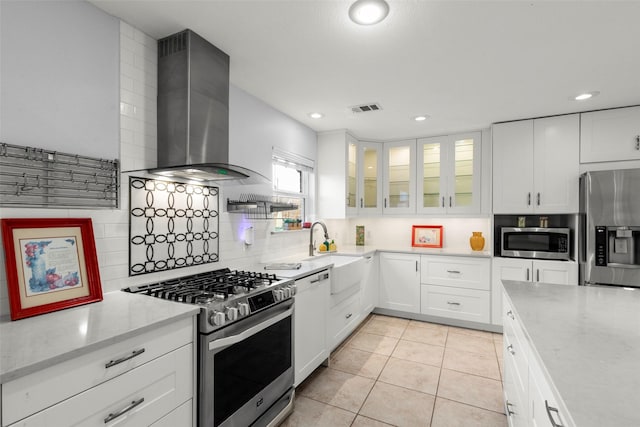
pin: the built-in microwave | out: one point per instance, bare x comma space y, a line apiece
534, 242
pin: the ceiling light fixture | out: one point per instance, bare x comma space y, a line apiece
585, 96
368, 12
316, 115
420, 118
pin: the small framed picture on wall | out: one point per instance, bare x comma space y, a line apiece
426, 236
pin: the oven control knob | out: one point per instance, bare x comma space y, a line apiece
243, 308
217, 318
278, 294
232, 313
287, 292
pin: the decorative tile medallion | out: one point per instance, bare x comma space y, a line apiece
171, 225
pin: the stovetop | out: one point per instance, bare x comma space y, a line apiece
225, 296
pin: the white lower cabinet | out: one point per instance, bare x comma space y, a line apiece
137, 381
310, 324
343, 319
529, 398
456, 288
526, 270
400, 282
370, 292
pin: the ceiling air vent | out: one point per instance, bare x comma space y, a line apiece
365, 108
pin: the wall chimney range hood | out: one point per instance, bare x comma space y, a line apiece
193, 112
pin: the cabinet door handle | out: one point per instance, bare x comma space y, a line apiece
385, 202
349, 315
443, 201
416, 265
527, 274
551, 409
538, 199
510, 349
124, 359
453, 271
123, 411
510, 314
638, 142
528, 199
537, 275
450, 201
361, 202
453, 303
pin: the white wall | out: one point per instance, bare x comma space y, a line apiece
248, 117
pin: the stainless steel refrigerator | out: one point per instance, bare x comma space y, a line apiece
610, 227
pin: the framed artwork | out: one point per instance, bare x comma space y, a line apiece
426, 236
51, 264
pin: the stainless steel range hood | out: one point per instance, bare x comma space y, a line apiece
193, 112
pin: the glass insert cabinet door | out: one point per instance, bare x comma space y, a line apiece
463, 172
352, 179
370, 171
400, 176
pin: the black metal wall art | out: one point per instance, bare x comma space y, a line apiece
171, 225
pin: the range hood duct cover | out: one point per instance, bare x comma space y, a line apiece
193, 111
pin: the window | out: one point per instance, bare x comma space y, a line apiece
291, 176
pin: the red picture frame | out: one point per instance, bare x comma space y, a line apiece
427, 236
51, 264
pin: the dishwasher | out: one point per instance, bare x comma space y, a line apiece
310, 323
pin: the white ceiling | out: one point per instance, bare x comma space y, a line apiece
466, 64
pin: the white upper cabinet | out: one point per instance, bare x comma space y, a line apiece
536, 165
448, 174
610, 135
399, 177
349, 176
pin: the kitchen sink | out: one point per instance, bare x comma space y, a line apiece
347, 271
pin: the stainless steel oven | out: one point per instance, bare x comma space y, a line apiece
246, 370
535, 242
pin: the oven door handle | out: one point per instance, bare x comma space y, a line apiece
234, 339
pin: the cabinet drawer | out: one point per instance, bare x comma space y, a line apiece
34, 392
158, 387
515, 395
458, 272
343, 319
455, 303
181, 416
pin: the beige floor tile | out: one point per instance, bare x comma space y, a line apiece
397, 321
428, 325
471, 389
447, 413
498, 347
497, 337
501, 367
358, 362
413, 375
361, 421
383, 327
471, 343
427, 333
398, 406
419, 352
473, 332
373, 343
308, 413
337, 388
484, 365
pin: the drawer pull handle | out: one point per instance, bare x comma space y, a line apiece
349, 315
123, 411
510, 314
125, 358
551, 409
453, 271
453, 303
510, 349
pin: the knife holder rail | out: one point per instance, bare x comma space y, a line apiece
35, 177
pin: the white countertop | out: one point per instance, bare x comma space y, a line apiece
588, 340
28, 345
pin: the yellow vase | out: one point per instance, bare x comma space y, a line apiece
476, 241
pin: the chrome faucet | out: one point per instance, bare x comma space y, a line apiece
326, 235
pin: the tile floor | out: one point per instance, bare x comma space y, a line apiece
399, 372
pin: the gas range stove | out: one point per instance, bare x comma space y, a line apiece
225, 296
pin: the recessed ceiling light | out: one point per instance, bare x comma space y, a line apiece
420, 118
585, 95
368, 12
316, 115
